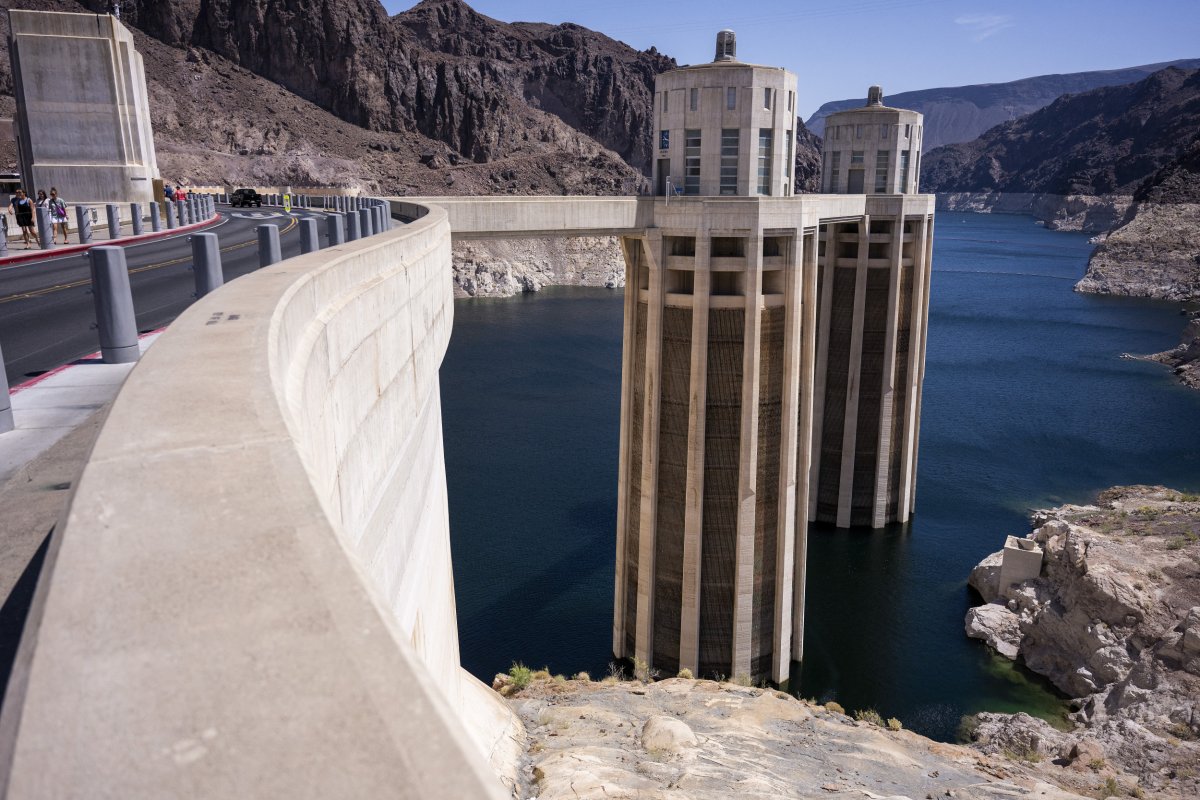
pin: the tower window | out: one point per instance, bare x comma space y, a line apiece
787, 165
691, 162
731, 98
664, 140
694, 99
856, 157
729, 160
908, 131
765, 142
903, 172
766, 98
857, 128
881, 171
665, 105
791, 100
835, 170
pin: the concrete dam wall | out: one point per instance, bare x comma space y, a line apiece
251, 593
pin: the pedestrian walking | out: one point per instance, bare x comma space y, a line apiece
42, 200
58, 217
22, 210
169, 193
180, 193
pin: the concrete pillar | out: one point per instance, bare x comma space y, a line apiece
336, 232
83, 224
352, 229
206, 262
172, 216
648, 520
113, 302
309, 242
3, 243
135, 215
693, 512
181, 213
743, 575
44, 231
631, 248
114, 220
155, 218
854, 371
824, 317
6, 414
887, 397
804, 438
365, 227
268, 245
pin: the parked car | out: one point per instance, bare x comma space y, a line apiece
245, 197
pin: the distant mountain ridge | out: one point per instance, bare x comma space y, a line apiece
961, 113
1102, 142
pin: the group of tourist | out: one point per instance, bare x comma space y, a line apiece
23, 209
176, 193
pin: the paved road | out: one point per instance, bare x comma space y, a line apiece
46, 310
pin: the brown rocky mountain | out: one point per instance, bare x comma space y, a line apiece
438, 99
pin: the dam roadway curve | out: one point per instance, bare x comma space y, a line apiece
46, 311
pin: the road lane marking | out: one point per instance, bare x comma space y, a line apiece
85, 281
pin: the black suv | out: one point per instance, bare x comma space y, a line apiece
245, 197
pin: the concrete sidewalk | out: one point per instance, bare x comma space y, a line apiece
58, 416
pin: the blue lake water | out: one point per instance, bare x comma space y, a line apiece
1027, 404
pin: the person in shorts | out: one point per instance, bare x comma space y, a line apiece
22, 210
58, 217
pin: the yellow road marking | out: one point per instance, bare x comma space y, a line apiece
84, 282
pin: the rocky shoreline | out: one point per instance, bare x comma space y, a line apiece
1113, 619
1184, 360
1087, 213
1155, 253
505, 267
684, 739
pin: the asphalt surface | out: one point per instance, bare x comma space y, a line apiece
46, 308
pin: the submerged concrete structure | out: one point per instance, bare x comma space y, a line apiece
83, 115
771, 372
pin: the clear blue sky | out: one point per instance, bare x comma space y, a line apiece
839, 48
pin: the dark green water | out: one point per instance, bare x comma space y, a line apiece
1027, 404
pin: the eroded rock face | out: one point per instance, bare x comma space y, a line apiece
503, 267
701, 740
1113, 621
1185, 359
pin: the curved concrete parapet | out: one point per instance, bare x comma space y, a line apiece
251, 592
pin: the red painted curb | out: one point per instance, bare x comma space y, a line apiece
36, 255
29, 384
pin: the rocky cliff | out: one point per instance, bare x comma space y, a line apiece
1114, 621
1185, 359
1078, 162
961, 113
701, 740
1155, 251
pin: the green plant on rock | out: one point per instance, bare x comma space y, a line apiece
894, 724
1022, 752
967, 726
642, 671
685, 673
1096, 764
520, 675
834, 707
870, 716
1110, 788
581, 676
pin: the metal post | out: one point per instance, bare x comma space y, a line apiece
309, 242
206, 262
352, 231
4, 242
135, 214
268, 245
365, 226
44, 231
336, 232
83, 224
6, 415
155, 217
114, 220
172, 219
114, 305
